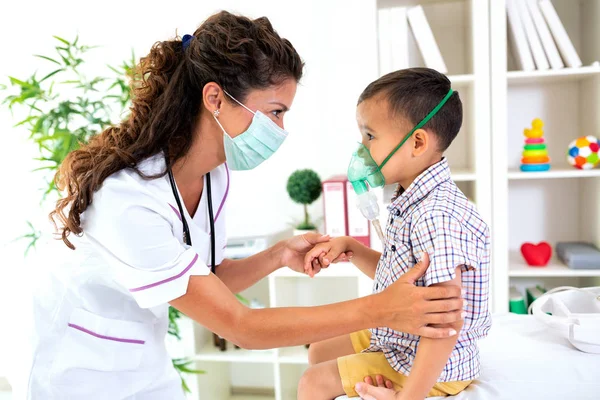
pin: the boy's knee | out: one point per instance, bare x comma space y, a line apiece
320, 382
309, 382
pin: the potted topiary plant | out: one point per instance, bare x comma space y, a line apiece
304, 187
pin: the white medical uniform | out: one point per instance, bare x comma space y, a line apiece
102, 315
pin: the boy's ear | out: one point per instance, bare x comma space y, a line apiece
422, 141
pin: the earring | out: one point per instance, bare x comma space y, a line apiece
216, 113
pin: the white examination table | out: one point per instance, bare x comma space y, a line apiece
522, 359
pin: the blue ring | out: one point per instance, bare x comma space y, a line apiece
535, 167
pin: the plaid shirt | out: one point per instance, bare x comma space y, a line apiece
433, 215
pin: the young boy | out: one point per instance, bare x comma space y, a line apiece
429, 214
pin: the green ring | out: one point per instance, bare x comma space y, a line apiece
535, 147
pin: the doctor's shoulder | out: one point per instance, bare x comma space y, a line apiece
127, 190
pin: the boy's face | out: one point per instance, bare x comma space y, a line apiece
382, 132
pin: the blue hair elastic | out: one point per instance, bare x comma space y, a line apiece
186, 41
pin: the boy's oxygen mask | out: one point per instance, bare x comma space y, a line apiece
364, 173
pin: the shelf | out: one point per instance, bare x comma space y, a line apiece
287, 355
406, 3
518, 268
461, 79
250, 397
462, 175
212, 353
552, 75
293, 355
340, 270
554, 173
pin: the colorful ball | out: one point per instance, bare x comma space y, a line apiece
583, 152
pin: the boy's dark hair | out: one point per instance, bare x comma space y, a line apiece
412, 93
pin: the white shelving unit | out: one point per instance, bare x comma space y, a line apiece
274, 373
563, 203
557, 172
552, 75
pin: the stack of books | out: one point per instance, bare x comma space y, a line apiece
537, 38
397, 45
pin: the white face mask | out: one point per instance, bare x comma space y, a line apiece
253, 146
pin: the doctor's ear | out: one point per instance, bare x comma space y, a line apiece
212, 97
422, 140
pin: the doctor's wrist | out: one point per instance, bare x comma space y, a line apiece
277, 253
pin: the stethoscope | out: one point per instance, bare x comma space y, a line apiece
187, 237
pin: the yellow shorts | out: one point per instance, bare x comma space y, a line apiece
355, 367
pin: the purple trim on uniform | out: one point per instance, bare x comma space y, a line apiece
225, 195
114, 339
179, 275
176, 211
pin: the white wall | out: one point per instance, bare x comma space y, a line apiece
331, 36
336, 42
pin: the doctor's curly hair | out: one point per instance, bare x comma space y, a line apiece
236, 52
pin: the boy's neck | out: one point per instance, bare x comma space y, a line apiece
404, 184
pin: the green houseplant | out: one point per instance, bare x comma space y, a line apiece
304, 187
64, 109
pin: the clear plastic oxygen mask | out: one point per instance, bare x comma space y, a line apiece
364, 170
368, 206
365, 173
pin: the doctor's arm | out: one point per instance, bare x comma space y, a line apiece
238, 275
402, 306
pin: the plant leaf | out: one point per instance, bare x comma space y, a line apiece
62, 40
51, 74
19, 82
47, 58
26, 120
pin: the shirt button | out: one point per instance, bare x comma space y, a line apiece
397, 213
393, 248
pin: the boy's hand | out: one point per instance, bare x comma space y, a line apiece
324, 254
370, 392
295, 249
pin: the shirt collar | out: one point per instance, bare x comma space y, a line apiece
423, 185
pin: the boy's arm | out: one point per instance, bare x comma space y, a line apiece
328, 253
432, 356
365, 258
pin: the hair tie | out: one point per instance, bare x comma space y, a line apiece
186, 41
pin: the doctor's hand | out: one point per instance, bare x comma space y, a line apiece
414, 310
295, 249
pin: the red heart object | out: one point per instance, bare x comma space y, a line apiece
536, 255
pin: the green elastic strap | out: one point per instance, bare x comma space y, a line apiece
419, 126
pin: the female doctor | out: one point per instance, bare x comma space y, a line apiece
144, 209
